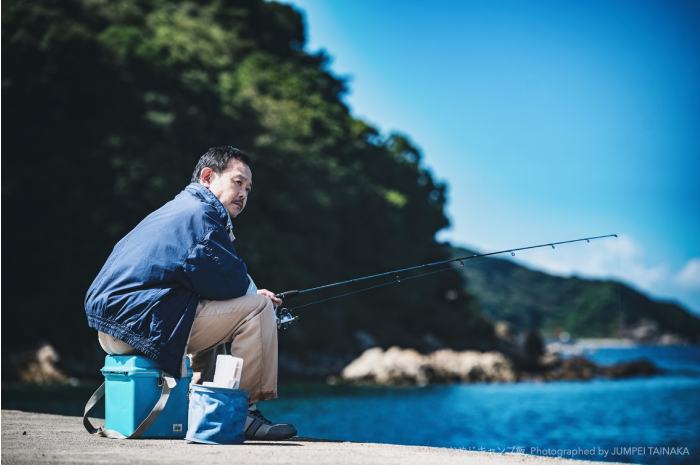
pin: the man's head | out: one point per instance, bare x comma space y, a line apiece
226, 172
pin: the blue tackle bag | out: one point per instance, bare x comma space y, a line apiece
217, 415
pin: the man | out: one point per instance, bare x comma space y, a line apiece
175, 285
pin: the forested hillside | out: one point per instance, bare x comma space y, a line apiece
107, 105
531, 299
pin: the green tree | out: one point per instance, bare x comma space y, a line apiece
107, 106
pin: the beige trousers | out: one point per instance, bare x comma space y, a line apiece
248, 323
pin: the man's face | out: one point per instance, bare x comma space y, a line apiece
231, 186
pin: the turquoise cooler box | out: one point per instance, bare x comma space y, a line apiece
132, 387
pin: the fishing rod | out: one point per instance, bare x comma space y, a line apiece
285, 317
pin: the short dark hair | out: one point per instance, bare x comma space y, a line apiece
217, 158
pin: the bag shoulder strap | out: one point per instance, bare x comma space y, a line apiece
168, 384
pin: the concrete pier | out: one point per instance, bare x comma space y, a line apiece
37, 438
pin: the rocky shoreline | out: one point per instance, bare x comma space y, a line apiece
396, 366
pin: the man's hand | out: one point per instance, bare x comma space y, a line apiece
275, 300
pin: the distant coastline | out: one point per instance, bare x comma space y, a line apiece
579, 346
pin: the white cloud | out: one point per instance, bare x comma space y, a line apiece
689, 276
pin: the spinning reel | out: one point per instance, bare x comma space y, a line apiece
285, 318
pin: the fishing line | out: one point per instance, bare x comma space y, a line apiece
286, 318
396, 280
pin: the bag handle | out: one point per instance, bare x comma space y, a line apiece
168, 384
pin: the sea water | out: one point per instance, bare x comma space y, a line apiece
654, 420
650, 420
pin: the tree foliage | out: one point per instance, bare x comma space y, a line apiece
107, 106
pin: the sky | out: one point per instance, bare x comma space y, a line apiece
548, 120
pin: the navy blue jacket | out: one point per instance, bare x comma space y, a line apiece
147, 292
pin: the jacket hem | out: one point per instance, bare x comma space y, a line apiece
124, 334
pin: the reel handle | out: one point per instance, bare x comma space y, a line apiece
287, 294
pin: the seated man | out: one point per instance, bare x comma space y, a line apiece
175, 285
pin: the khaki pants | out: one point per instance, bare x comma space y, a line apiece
248, 323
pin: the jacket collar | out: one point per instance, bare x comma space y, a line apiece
205, 195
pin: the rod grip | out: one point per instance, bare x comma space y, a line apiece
287, 294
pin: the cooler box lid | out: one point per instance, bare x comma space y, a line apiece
134, 365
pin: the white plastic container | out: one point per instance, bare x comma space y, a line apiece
228, 372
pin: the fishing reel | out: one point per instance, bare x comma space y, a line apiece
285, 318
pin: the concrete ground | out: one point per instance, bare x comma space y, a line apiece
37, 438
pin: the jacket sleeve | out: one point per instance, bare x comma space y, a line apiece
214, 269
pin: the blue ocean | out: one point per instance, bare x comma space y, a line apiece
650, 420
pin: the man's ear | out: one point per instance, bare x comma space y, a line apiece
205, 176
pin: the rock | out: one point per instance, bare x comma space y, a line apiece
574, 368
449, 365
580, 368
38, 366
397, 366
639, 367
